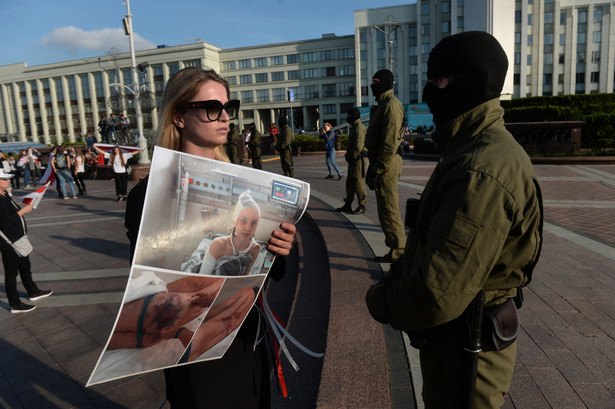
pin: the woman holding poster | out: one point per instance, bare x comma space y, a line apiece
195, 113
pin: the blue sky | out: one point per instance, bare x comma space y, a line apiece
45, 31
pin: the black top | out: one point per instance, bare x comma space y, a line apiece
10, 222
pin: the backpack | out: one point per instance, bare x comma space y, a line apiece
60, 161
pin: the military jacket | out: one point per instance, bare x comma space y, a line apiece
479, 226
385, 131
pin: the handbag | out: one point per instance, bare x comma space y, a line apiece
22, 246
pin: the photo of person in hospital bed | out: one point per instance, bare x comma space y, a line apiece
236, 254
157, 325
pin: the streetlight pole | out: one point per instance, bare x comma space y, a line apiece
143, 155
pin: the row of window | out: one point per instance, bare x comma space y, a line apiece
548, 38
548, 16
276, 76
548, 58
311, 56
344, 89
547, 79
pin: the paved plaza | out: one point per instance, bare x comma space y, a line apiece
566, 353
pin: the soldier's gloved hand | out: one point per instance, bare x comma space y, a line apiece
372, 179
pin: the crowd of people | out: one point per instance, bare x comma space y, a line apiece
474, 236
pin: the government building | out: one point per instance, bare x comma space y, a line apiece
554, 47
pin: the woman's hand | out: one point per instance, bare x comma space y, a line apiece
281, 241
25, 210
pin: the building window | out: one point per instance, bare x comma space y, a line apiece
262, 95
310, 73
595, 76
517, 37
364, 90
262, 77
530, 19
595, 56
294, 75
518, 16
517, 79
345, 53
311, 91
173, 67
529, 59
424, 9
548, 38
562, 19
279, 94
460, 24
560, 78
597, 14
327, 55
329, 109
346, 89
345, 70
329, 90
310, 57
582, 16
298, 93
85, 87
580, 77
446, 27
260, 62
98, 82
446, 7
247, 97
597, 36
562, 39
562, 58
548, 58
530, 40
548, 18
581, 57
292, 59
328, 72
412, 51
581, 38
425, 48
277, 76
547, 79
245, 79
276, 60
192, 63
517, 58
243, 64
232, 80
59, 89
425, 29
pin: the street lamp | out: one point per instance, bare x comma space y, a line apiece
143, 156
391, 25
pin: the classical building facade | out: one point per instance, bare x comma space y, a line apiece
554, 47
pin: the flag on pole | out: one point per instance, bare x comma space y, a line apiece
35, 197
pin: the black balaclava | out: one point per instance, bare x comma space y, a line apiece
232, 126
476, 66
282, 121
353, 115
382, 81
252, 126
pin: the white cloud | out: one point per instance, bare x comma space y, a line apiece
102, 41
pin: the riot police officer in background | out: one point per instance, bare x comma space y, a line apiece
383, 141
355, 156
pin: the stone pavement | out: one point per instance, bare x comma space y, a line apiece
566, 350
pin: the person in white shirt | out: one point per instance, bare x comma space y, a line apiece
118, 160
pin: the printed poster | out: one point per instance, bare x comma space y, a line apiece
200, 261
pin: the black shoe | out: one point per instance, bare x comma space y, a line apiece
40, 294
339, 176
22, 308
346, 208
387, 258
329, 177
359, 210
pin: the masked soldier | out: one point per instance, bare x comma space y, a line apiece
255, 147
283, 146
355, 156
231, 143
383, 141
478, 231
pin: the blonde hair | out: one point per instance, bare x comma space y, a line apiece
180, 89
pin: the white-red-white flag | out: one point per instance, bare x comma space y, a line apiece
35, 197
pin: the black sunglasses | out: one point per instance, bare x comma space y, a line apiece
211, 110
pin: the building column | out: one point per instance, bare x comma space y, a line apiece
43, 111
31, 114
8, 115
94, 102
17, 102
82, 120
69, 110
55, 109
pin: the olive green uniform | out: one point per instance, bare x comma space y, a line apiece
255, 148
355, 183
479, 225
283, 146
382, 140
231, 145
